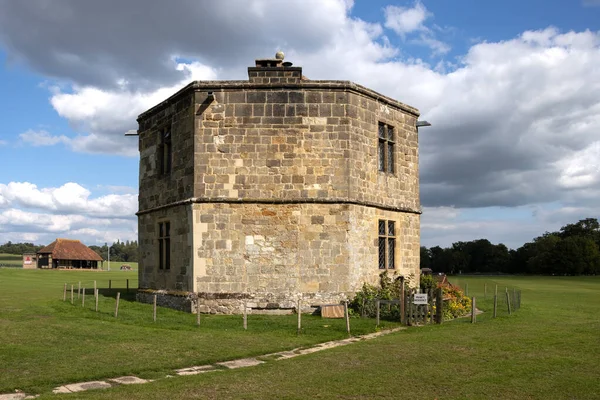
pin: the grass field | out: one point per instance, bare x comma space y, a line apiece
45, 342
11, 260
549, 349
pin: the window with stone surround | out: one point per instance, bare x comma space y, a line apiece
165, 151
385, 148
164, 245
387, 244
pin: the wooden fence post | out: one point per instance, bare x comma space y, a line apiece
117, 305
198, 311
514, 299
71, 294
78, 289
473, 315
245, 316
377, 315
508, 302
94, 286
411, 316
154, 308
65, 293
496, 291
430, 305
466, 289
347, 316
485, 290
96, 293
495, 305
83, 298
439, 306
402, 305
299, 311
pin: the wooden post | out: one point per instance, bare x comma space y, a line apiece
299, 311
96, 292
473, 315
94, 286
439, 306
514, 299
430, 305
347, 317
402, 305
83, 298
377, 315
496, 291
154, 309
485, 290
411, 317
65, 293
198, 311
109, 284
466, 289
127, 285
508, 302
495, 305
117, 305
78, 289
71, 294
245, 316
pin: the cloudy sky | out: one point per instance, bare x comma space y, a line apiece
512, 89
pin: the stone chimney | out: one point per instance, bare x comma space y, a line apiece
274, 70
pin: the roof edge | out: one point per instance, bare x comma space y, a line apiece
350, 86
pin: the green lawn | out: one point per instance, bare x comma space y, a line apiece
45, 342
549, 349
11, 260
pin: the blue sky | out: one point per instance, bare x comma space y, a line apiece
510, 87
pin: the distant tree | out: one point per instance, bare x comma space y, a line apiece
425, 257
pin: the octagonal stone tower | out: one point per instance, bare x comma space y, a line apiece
262, 191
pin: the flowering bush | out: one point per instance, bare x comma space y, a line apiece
456, 304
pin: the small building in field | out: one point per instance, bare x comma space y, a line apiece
67, 253
30, 261
258, 192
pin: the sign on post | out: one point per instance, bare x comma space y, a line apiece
420, 298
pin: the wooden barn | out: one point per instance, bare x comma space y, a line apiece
67, 253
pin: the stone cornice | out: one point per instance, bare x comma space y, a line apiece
216, 86
199, 200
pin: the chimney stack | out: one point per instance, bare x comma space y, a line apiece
274, 70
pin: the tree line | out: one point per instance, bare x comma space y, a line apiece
573, 250
119, 251
19, 248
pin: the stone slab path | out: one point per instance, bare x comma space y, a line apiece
200, 369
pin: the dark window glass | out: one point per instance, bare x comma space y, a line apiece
381, 253
385, 148
390, 249
381, 227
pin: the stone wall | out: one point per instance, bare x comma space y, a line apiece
179, 276
156, 189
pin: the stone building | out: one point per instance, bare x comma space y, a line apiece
264, 190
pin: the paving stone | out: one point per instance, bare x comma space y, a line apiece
82, 386
241, 363
196, 370
129, 380
12, 396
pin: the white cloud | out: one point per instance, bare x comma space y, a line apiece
403, 20
3, 142
70, 198
42, 138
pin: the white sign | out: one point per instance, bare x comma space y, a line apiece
420, 298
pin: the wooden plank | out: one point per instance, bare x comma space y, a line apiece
332, 311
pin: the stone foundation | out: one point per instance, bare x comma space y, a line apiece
233, 303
